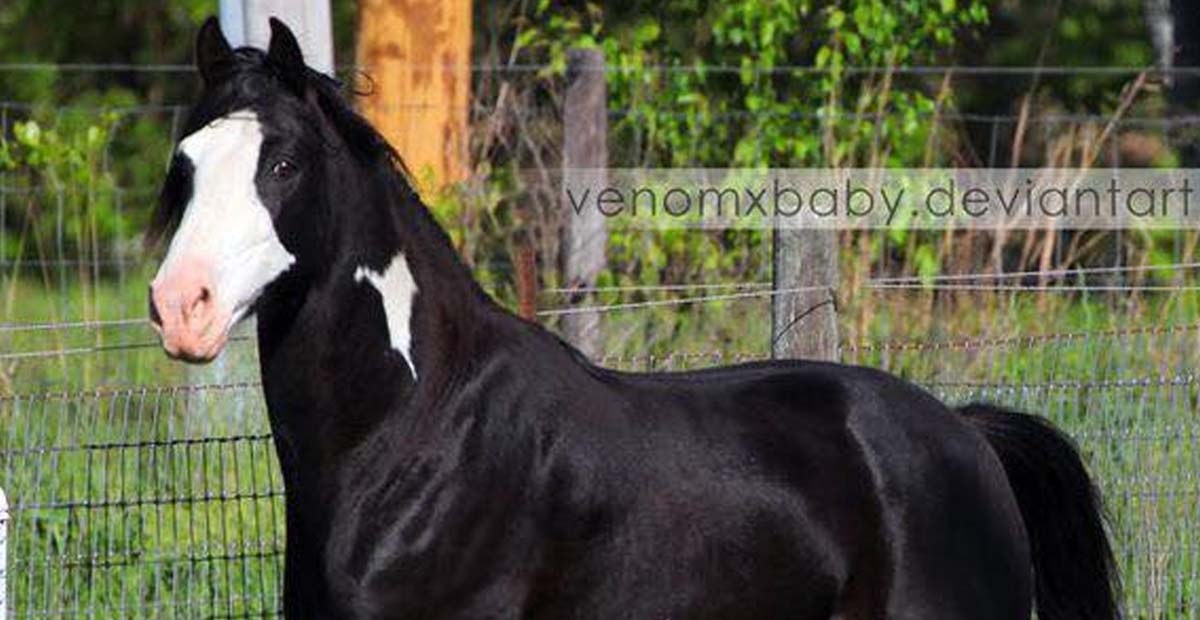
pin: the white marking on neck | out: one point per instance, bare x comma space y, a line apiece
398, 289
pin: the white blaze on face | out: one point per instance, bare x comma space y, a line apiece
397, 289
225, 251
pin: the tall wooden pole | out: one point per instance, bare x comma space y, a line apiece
417, 55
585, 147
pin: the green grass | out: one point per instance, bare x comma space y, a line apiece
140, 487
135, 499
142, 503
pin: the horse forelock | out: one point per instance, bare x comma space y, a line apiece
255, 83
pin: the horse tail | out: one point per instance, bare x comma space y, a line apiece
1074, 572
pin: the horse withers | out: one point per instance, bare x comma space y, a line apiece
444, 459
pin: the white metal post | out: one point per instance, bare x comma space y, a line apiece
245, 22
232, 16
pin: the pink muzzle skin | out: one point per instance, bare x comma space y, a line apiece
185, 312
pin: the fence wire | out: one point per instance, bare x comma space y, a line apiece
165, 502
142, 503
144, 489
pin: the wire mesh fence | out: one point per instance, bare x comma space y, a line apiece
144, 489
142, 502
165, 502
1129, 398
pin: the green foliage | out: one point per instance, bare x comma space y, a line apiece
94, 142
707, 84
60, 192
743, 106
67, 149
1084, 33
747, 99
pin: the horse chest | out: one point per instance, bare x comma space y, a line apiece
416, 537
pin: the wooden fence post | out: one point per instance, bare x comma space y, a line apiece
803, 307
526, 260
585, 147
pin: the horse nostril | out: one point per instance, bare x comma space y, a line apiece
201, 302
154, 316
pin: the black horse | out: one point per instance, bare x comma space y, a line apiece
444, 459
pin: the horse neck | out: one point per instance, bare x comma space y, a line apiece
331, 372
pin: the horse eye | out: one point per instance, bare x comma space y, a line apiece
283, 169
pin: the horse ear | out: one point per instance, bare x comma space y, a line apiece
214, 57
284, 53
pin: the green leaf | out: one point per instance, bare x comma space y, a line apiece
647, 32
526, 38
822, 59
853, 43
927, 263
836, 19
28, 133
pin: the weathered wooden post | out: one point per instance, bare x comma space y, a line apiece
526, 262
585, 148
803, 307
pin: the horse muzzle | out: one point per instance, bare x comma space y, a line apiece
186, 313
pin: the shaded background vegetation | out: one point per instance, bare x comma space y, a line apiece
142, 483
692, 83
